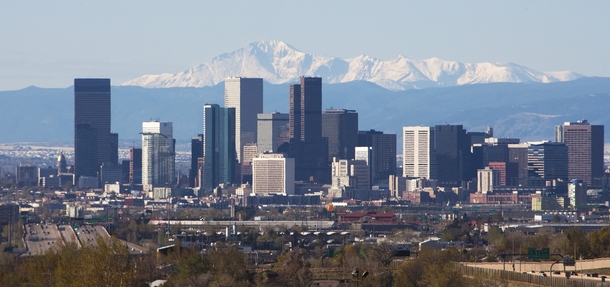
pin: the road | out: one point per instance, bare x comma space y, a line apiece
40, 238
88, 234
68, 235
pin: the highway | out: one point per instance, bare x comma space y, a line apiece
87, 234
40, 238
68, 235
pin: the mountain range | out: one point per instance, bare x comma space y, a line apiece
279, 63
524, 110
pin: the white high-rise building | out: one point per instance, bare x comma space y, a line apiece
487, 178
158, 154
419, 153
272, 173
246, 96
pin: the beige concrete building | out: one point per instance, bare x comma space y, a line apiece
272, 173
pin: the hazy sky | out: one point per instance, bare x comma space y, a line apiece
48, 43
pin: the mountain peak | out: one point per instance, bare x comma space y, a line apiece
277, 62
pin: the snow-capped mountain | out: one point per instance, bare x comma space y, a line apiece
277, 62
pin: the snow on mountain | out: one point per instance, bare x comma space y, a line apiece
278, 63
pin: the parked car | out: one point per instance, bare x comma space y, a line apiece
542, 274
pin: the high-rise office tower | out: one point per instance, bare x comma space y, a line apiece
487, 178
548, 161
453, 157
307, 146
219, 147
384, 153
311, 108
158, 154
246, 96
196, 153
419, 152
294, 116
272, 173
114, 148
135, 166
91, 125
517, 154
272, 132
366, 155
341, 128
585, 150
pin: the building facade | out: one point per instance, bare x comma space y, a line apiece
135, 166
307, 146
91, 126
419, 152
384, 153
453, 155
340, 126
196, 154
548, 161
246, 96
273, 131
585, 144
219, 147
272, 173
158, 154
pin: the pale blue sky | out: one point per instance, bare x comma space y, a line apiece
48, 43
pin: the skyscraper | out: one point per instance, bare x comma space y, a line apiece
219, 147
453, 155
307, 146
341, 128
548, 161
419, 152
246, 96
585, 150
114, 148
196, 153
311, 108
272, 173
158, 153
135, 166
273, 131
384, 153
91, 125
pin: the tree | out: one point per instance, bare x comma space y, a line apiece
430, 268
295, 269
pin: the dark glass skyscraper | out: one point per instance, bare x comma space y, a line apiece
453, 155
196, 153
307, 146
219, 149
341, 128
548, 161
384, 152
91, 125
135, 166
